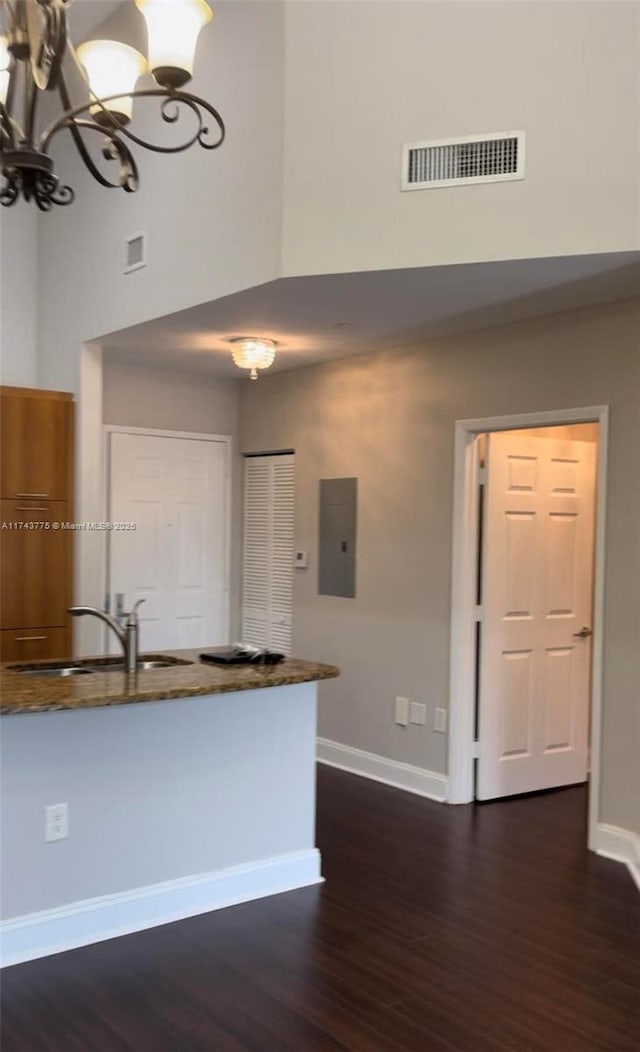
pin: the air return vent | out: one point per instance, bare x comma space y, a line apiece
135, 252
458, 162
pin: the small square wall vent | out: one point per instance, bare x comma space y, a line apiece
493, 158
135, 253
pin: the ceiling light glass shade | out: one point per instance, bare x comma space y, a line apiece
112, 68
172, 28
5, 57
252, 353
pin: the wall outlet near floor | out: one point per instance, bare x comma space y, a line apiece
440, 721
417, 713
401, 712
56, 823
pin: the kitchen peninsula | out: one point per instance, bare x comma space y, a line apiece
188, 788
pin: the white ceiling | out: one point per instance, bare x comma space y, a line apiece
315, 319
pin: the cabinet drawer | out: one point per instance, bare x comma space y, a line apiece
34, 643
35, 564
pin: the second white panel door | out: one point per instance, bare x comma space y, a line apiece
535, 655
176, 492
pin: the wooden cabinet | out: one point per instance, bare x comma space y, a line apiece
36, 444
33, 644
36, 553
36, 564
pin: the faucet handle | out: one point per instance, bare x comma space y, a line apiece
136, 605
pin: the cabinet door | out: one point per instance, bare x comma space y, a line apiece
35, 564
34, 644
36, 444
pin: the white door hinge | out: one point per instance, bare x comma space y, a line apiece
482, 474
478, 613
476, 750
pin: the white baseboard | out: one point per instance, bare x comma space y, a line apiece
381, 769
620, 845
109, 916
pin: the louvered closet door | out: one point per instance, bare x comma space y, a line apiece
268, 551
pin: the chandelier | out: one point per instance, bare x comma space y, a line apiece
36, 55
253, 353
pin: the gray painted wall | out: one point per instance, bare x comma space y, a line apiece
174, 401
19, 296
363, 78
389, 420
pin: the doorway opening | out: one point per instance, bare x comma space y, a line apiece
528, 566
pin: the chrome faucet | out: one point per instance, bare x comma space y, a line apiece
127, 634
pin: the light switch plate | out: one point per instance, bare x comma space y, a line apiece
440, 721
402, 712
418, 713
301, 560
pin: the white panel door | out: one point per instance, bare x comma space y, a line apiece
268, 551
176, 491
535, 665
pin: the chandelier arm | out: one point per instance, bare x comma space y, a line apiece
31, 93
48, 192
8, 126
194, 102
9, 191
114, 149
191, 101
46, 25
79, 141
11, 88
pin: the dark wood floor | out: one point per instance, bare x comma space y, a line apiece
475, 929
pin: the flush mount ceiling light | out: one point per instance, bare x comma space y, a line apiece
253, 352
35, 56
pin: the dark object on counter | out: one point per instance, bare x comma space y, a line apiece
241, 656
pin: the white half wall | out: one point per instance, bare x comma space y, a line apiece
172, 804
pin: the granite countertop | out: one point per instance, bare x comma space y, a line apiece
28, 694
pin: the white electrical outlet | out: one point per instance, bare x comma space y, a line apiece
402, 711
56, 825
440, 721
417, 713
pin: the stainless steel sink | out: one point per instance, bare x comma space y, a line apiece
90, 665
142, 666
58, 672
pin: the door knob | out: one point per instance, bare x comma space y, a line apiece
584, 633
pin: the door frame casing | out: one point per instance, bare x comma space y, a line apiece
462, 667
227, 442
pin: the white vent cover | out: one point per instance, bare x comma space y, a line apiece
493, 158
135, 253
